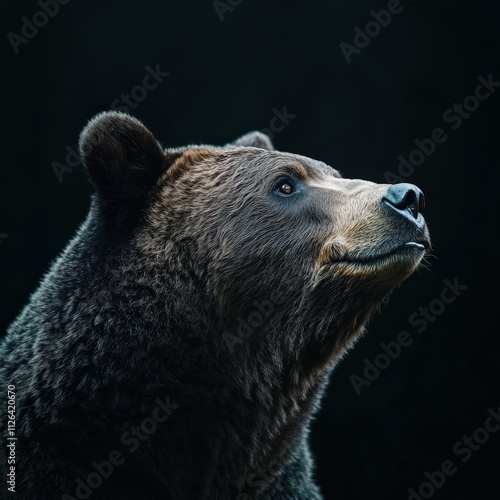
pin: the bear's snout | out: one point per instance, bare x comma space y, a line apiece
408, 201
376, 227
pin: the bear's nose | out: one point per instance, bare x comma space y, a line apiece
406, 199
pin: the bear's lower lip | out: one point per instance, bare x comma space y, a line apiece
414, 244
368, 259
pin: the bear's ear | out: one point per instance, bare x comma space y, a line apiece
122, 158
255, 140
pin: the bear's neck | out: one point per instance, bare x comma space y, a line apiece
241, 418
246, 423
242, 414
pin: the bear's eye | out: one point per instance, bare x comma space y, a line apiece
285, 187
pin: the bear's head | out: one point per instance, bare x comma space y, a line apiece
256, 254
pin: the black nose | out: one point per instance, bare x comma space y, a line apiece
406, 198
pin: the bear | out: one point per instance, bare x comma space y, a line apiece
180, 344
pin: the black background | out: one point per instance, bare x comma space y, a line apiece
226, 77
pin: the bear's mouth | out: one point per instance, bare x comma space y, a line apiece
410, 248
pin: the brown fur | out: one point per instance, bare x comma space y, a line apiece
194, 240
